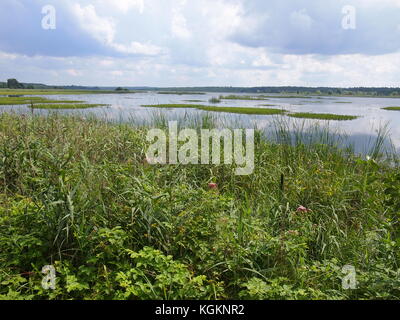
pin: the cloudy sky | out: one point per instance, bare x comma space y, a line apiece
201, 42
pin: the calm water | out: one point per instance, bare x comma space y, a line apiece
361, 132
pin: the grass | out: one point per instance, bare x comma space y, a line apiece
78, 194
5, 92
235, 97
392, 108
255, 111
259, 111
68, 106
322, 116
288, 97
214, 100
181, 93
29, 100
262, 97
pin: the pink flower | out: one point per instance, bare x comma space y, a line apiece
213, 186
149, 160
303, 209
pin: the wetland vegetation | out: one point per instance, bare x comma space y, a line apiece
239, 110
79, 194
322, 116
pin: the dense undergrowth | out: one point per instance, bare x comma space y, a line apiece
78, 194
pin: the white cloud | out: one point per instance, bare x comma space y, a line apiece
117, 73
101, 28
126, 5
179, 25
220, 18
73, 72
300, 19
262, 61
138, 48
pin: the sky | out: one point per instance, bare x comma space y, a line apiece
167, 43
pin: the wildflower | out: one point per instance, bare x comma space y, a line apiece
303, 209
368, 158
149, 161
213, 186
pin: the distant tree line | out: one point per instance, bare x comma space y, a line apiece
363, 91
356, 91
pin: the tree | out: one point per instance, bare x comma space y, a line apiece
14, 84
119, 89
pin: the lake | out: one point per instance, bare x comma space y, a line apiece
361, 132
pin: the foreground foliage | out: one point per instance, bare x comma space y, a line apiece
79, 195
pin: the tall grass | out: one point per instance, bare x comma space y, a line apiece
78, 193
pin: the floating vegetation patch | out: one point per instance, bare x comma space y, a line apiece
44, 92
68, 106
181, 93
194, 100
259, 111
234, 97
287, 97
322, 116
392, 108
30, 100
214, 100
313, 102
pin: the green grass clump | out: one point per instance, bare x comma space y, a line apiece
181, 93
235, 97
287, 97
322, 116
259, 111
263, 97
79, 194
392, 108
46, 92
68, 106
29, 100
214, 100
174, 106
